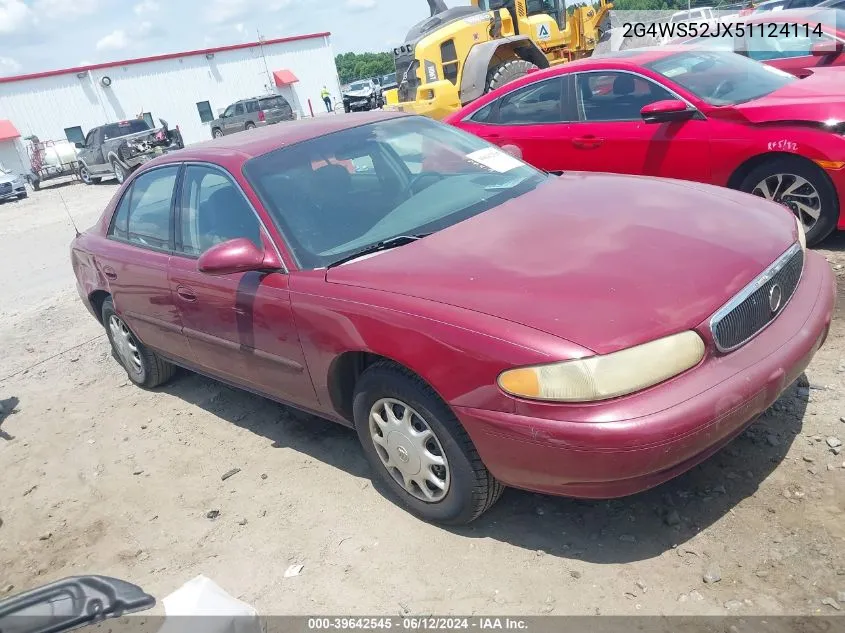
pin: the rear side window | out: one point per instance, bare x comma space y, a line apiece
484, 114
148, 205
534, 104
252, 106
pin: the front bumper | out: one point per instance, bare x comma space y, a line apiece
14, 192
623, 455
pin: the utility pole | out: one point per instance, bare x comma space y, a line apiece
264, 58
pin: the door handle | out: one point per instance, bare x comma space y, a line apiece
186, 293
493, 135
587, 142
109, 272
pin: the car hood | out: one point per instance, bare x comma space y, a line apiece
815, 98
4, 178
366, 92
604, 261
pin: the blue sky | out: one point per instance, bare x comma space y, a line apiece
37, 35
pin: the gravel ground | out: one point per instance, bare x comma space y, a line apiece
102, 477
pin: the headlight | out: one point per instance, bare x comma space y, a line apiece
604, 377
802, 235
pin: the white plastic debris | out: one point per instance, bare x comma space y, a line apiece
293, 570
202, 605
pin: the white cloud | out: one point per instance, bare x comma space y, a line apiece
147, 29
221, 11
9, 66
15, 16
114, 41
64, 10
360, 5
146, 6
240, 28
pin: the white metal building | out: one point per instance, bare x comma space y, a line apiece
185, 89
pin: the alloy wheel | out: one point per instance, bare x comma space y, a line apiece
125, 345
794, 192
85, 175
409, 450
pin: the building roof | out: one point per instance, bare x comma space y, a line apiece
156, 58
8, 130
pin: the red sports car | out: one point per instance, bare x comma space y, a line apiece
706, 116
479, 322
795, 40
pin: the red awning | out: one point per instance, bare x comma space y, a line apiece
284, 77
7, 130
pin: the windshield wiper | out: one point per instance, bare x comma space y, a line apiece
393, 242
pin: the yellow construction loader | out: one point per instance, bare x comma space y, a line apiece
459, 54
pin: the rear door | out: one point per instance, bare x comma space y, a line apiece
536, 118
135, 261
237, 121
239, 327
611, 135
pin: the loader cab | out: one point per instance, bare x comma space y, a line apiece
519, 8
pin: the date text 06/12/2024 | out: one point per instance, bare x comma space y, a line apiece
674, 30
413, 623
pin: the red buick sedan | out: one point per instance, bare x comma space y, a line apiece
480, 324
706, 116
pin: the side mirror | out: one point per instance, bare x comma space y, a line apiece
825, 48
513, 150
237, 256
79, 145
666, 110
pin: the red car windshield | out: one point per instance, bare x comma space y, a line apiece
721, 78
337, 194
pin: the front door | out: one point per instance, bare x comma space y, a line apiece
235, 123
611, 135
92, 153
135, 261
239, 327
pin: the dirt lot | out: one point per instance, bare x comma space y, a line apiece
102, 477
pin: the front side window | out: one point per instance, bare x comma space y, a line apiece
89, 140
213, 211
425, 176
721, 78
615, 96
533, 104
149, 208
230, 111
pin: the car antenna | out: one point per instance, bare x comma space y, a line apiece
70, 217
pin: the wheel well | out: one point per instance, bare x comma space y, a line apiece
343, 376
755, 161
97, 299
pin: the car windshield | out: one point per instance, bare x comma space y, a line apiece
389, 79
338, 194
721, 78
361, 85
115, 130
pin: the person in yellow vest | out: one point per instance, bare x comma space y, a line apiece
327, 99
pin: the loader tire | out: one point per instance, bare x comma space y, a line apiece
506, 72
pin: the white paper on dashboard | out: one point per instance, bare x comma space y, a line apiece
495, 159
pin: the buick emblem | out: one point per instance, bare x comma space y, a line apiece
403, 454
775, 298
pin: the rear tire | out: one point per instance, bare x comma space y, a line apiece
120, 172
249, 126
470, 489
143, 366
775, 179
507, 72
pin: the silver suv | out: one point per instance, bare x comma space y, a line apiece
249, 113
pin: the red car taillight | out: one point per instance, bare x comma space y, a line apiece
261, 115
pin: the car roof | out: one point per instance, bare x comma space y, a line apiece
266, 139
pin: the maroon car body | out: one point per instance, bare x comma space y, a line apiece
578, 266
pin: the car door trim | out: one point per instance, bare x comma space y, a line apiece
164, 325
287, 363
605, 71
177, 215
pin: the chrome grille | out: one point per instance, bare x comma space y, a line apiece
759, 303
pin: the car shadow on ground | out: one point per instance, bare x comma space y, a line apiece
834, 242
7, 408
616, 531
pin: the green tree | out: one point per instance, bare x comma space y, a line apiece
354, 66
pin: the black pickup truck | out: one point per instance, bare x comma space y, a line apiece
117, 149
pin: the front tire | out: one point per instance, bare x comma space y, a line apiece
216, 132
418, 448
143, 366
801, 187
507, 72
86, 177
